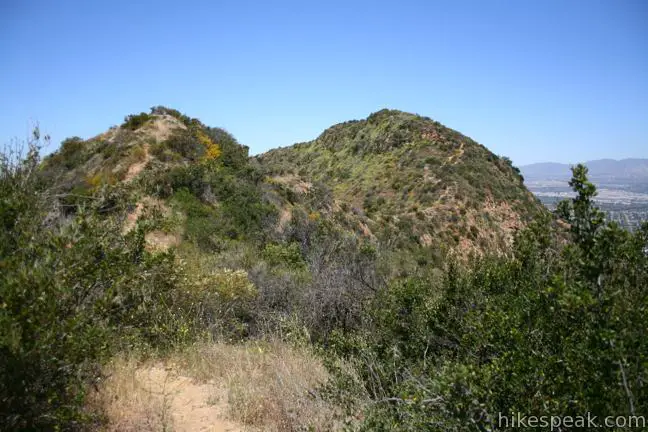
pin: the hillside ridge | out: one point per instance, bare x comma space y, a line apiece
394, 178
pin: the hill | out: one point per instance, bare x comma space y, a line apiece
396, 179
198, 178
600, 170
412, 181
324, 224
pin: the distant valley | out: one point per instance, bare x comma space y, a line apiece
622, 186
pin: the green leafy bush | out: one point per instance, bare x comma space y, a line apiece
135, 121
284, 255
70, 294
184, 143
71, 152
234, 155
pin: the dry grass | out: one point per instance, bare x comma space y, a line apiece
130, 401
270, 386
267, 386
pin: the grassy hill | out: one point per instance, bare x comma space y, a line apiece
413, 182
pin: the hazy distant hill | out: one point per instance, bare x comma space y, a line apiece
635, 170
622, 186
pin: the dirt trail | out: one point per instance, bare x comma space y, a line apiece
218, 387
454, 158
187, 406
160, 241
156, 240
137, 167
285, 216
460, 153
132, 217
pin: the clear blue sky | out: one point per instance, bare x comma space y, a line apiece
533, 80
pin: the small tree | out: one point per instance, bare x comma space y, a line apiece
587, 218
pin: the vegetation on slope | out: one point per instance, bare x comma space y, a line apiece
233, 276
557, 329
417, 182
73, 291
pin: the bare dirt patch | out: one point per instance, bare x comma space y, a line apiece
132, 217
507, 218
256, 386
426, 240
269, 386
295, 183
157, 398
156, 240
162, 127
138, 167
365, 230
158, 130
285, 216
160, 241
145, 203
454, 157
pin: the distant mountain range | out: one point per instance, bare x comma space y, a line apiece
599, 170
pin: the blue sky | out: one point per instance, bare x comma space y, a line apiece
561, 81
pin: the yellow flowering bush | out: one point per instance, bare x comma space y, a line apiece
213, 150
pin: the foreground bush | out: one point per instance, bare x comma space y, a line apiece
71, 292
557, 329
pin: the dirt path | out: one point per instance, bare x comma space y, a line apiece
137, 167
187, 405
218, 387
454, 158
156, 240
132, 217
460, 153
153, 397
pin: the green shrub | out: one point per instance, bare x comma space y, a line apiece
202, 225
135, 121
288, 255
70, 155
184, 143
234, 155
70, 294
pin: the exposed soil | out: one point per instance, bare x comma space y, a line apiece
137, 167
190, 406
132, 217
295, 183
160, 241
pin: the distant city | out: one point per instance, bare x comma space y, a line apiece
622, 187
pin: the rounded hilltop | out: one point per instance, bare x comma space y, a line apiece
414, 180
